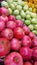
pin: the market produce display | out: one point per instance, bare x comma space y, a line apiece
18, 33
18, 45
22, 12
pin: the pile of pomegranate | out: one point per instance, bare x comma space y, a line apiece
18, 45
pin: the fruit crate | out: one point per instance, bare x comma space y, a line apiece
0, 62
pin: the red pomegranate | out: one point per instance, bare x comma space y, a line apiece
4, 18
11, 18
4, 11
26, 29
4, 47
19, 33
15, 44
19, 23
13, 59
26, 53
11, 24
7, 33
31, 35
26, 41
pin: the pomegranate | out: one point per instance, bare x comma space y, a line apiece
27, 63
4, 11
4, 47
11, 18
15, 44
34, 44
19, 23
26, 29
34, 54
11, 24
26, 53
13, 59
26, 41
4, 18
8, 33
31, 34
19, 32
2, 25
